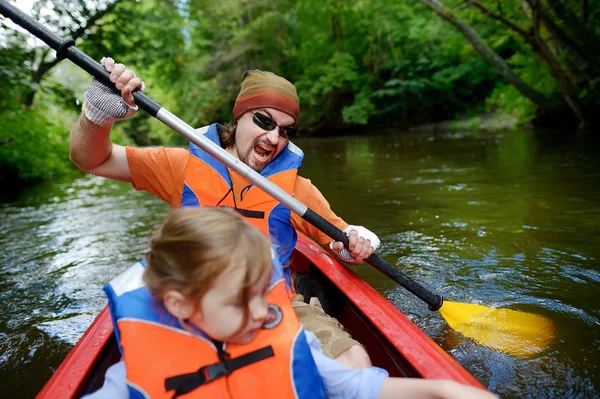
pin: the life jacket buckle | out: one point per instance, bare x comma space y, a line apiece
186, 383
213, 371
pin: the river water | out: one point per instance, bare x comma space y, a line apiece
499, 219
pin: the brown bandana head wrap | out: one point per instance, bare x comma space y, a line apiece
266, 90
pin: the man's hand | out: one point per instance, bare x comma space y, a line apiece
361, 244
103, 106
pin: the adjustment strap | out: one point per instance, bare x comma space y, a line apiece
185, 383
251, 214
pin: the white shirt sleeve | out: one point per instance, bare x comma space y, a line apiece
115, 384
342, 382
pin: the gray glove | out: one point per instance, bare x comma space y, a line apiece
103, 106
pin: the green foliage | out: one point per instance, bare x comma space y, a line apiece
359, 112
322, 84
33, 147
14, 71
146, 35
61, 96
354, 62
508, 100
553, 46
473, 123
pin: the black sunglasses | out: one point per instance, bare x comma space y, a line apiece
267, 123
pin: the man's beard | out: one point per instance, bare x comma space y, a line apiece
246, 158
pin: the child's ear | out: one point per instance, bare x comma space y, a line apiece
178, 305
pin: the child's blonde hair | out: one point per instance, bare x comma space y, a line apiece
195, 245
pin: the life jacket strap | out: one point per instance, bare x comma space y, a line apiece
185, 383
251, 214
247, 212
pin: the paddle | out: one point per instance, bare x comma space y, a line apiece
507, 330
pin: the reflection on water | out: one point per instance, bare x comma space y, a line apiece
502, 220
60, 243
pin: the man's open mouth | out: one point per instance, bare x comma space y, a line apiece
263, 152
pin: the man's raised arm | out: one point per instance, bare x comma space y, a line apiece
92, 151
91, 148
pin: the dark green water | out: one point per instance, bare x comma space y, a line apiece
502, 220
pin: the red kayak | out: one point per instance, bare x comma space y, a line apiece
392, 340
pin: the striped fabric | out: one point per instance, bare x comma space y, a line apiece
261, 89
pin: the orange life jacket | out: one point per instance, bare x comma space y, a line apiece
208, 183
164, 360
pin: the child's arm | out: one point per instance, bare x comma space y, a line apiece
373, 382
409, 388
341, 382
115, 384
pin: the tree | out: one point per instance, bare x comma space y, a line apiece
542, 48
543, 30
72, 19
490, 55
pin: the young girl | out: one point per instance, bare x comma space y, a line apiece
212, 318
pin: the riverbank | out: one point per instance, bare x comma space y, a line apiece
487, 122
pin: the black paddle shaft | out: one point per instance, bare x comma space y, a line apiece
66, 49
434, 301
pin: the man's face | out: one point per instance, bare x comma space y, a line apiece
255, 146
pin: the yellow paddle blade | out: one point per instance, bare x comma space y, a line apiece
516, 333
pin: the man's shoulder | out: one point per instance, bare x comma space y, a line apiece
156, 156
302, 181
304, 188
157, 148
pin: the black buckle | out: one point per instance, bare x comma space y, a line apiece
185, 383
213, 371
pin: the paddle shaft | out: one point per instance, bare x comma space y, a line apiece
66, 49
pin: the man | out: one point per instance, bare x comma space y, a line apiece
265, 115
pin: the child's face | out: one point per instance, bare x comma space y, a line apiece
221, 311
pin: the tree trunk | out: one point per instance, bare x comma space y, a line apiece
563, 82
589, 39
336, 27
542, 49
584, 11
44, 66
572, 45
574, 66
560, 75
37, 79
491, 57
255, 54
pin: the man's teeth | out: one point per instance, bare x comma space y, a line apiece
262, 151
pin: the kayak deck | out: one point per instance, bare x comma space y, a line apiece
391, 339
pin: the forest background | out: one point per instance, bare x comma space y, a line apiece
357, 64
